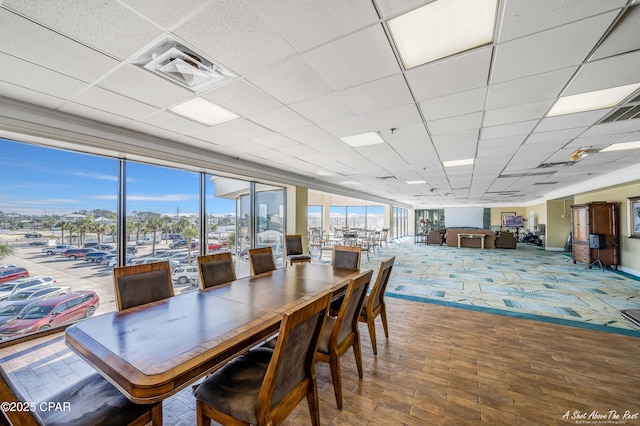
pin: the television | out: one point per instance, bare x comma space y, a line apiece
514, 221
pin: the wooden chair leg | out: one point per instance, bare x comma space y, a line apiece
357, 351
314, 405
201, 418
383, 315
372, 334
334, 364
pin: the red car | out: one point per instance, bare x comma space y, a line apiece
11, 273
77, 253
51, 313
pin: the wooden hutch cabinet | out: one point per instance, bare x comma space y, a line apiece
595, 218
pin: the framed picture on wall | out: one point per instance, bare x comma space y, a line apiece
504, 215
634, 217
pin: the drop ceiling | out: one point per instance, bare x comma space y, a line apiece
310, 73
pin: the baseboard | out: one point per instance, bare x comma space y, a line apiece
629, 271
554, 248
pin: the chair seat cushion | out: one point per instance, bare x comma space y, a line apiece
234, 388
93, 401
336, 304
299, 257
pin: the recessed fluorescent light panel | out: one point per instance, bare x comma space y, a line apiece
590, 101
364, 139
443, 28
203, 111
323, 173
350, 182
455, 163
415, 182
620, 146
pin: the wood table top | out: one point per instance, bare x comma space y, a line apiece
152, 351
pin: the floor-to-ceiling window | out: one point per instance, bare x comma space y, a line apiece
337, 217
356, 217
314, 217
375, 217
270, 220
400, 222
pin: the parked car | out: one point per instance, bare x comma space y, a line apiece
94, 255
9, 288
77, 253
37, 293
216, 246
12, 310
53, 312
60, 249
33, 235
113, 261
99, 247
184, 274
182, 257
13, 273
7, 266
104, 260
146, 240
182, 242
132, 249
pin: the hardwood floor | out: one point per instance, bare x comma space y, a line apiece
451, 366
440, 366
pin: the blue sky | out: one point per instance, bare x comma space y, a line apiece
47, 181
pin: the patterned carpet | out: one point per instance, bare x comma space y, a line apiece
527, 282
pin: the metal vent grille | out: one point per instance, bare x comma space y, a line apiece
559, 164
627, 111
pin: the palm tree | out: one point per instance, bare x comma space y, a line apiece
165, 223
84, 225
62, 225
5, 250
153, 225
190, 232
100, 229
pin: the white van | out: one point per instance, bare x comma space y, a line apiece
146, 240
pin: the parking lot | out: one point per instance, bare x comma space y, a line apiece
81, 275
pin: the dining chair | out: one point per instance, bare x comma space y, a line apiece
215, 269
346, 257
263, 386
294, 252
92, 401
139, 284
384, 234
341, 332
261, 260
374, 303
367, 244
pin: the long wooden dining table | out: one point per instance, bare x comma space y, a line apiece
152, 351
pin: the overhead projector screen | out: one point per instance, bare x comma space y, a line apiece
463, 217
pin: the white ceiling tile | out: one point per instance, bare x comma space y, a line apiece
298, 150
613, 128
241, 97
549, 50
529, 89
380, 94
380, 153
569, 121
453, 105
243, 129
150, 130
30, 96
455, 124
397, 117
451, 75
624, 36
555, 135
275, 141
308, 24
605, 73
516, 113
29, 41
314, 136
348, 126
280, 119
25, 74
167, 120
355, 59
522, 17
141, 85
166, 13
323, 108
506, 130
597, 141
290, 80
108, 26
95, 114
235, 36
105, 100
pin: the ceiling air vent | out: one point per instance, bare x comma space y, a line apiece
183, 65
386, 177
559, 164
627, 111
